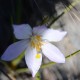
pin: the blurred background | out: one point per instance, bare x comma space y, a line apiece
37, 12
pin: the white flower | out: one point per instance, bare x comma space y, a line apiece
35, 42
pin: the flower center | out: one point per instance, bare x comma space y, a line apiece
36, 42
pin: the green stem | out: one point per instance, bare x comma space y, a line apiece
72, 54
38, 76
55, 19
8, 68
16, 61
67, 9
47, 64
5, 64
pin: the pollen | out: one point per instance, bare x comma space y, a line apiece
38, 55
38, 37
36, 42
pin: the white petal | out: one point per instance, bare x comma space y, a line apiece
22, 31
53, 35
32, 62
14, 50
39, 30
53, 53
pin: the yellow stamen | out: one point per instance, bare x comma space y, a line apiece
36, 42
38, 55
38, 37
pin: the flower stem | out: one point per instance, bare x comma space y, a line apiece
67, 9
10, 73
38, 76
47, 64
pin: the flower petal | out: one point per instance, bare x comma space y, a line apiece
39, 30
22, 31
53, 35
14, 50
32, 61
53, 53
